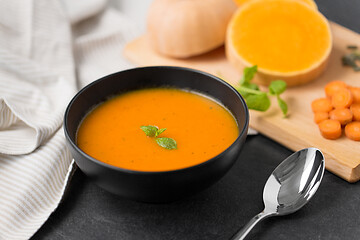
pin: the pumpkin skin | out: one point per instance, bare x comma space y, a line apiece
186, 28
308, 35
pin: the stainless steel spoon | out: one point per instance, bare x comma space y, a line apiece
290, 186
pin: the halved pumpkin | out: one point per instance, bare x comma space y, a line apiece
287, 39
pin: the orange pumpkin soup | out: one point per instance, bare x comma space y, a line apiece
202, 128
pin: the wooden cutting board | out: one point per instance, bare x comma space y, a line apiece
298, 130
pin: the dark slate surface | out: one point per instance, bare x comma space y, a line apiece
88, 212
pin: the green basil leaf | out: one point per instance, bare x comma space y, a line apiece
277, 87
167, 143
283, 106
149, 130
243, 89
160, 131
259, 102
242, 92
248, 74
252, 86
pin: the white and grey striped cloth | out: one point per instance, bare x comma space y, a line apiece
48, 48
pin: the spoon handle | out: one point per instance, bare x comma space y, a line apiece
243, 232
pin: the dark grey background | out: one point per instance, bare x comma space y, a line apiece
88, 212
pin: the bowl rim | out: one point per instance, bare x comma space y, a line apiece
130, 171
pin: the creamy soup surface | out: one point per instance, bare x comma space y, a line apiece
202, 128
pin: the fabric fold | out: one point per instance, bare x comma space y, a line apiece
32, 104
31, 187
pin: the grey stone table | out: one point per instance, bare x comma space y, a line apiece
88, 212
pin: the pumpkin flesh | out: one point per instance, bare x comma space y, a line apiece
282, 37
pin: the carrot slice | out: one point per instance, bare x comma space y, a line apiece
330, 129
320, 116
352, 131
321, 105
342, 99
355, 91
343, 115
355, 109
334, 86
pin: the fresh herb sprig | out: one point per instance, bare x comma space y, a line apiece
352, 58
257, 99
153, 131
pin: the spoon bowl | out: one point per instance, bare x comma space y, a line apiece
290, 186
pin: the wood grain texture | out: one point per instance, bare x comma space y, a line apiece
298, 130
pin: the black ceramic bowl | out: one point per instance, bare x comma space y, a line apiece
161, 186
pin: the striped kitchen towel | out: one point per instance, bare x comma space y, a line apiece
48, 49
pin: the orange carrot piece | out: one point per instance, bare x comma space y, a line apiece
355, 109
355, 91
343, 115
321, 105
320, 116
342, 98
330, 129
352, 131
334, 86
